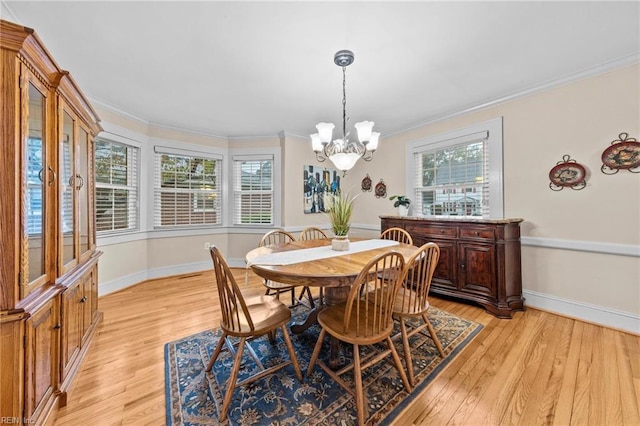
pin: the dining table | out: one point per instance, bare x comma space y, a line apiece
314, 263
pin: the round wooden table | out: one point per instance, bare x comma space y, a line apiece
334, 274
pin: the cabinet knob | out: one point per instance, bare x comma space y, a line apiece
462, 265
476, 233
442, 231
84, 299
57, 326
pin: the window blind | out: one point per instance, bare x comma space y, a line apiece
117, 183
452, 177
253, 196
187, 188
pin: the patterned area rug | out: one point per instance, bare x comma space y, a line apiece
193, 397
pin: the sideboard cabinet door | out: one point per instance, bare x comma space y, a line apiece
477, 269
479, 259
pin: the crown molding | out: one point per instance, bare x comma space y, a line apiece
198, 132
10, 15
623, 62
109, 107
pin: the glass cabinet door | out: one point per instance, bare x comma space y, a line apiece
68, 183
83, 185
33, 261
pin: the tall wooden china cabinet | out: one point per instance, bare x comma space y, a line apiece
48, 272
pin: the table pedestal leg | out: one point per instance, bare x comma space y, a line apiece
311, 319
332, 296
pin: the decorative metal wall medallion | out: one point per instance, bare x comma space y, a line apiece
567, 173
381, 189
366, 183
624, 153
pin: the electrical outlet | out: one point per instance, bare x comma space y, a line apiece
207, 246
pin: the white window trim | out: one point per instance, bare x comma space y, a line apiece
494, 145
277, 187
159, 145
112, 135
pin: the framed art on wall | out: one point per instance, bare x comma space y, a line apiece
320, 183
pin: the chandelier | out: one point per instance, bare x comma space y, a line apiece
344, 153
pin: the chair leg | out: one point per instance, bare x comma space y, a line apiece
357, 377
396, 359
292, 354
272, 337
407, 351
316, 352
231, 384
432, 331
216, 352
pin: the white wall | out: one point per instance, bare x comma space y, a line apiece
581, 249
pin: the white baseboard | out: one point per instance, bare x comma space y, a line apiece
185, 268
121, 283
608, 317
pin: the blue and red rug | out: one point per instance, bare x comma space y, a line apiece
193, 397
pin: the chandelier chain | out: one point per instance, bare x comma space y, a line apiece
344, 103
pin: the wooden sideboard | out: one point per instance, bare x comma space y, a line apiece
49, 264
479, 259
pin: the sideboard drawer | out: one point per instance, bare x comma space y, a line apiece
433, 230
478, 233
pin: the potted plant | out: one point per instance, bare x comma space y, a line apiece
340, 218
402, 203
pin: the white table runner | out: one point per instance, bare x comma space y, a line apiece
304, 255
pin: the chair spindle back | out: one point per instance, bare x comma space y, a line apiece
277, 236
419, 271
397, 234
370, 302
312, 233
232, 304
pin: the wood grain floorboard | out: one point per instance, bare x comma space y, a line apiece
535, 369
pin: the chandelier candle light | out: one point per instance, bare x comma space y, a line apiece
344, 153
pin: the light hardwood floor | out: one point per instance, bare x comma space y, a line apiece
537, 368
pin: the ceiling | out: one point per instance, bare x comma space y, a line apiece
243, 69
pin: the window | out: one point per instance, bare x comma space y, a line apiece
116, 186
253, 195
187, 188
459, 173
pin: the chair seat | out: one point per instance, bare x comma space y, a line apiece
332, 318
406, 304
267, 313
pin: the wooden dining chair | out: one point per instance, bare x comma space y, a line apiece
364, 319
312, 233
412, 300
247, 319
279, 236
397, 234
